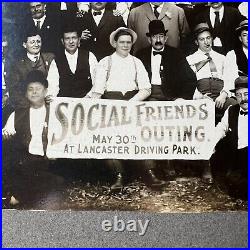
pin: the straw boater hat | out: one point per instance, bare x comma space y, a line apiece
240, 82
112, 35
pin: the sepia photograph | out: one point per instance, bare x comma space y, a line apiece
125, 106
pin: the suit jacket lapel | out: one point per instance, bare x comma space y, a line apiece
149, 12
104, 19
165, 9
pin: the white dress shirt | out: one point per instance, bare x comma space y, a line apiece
231, 70
217, 41
159, 8
205, 72
53, 74
37, 123
155, 68
98, 18
122, 75
223, 126
42, 19
63, 6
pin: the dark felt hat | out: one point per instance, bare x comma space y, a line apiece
156, 27
240, 82
201, 27
242, 26
35, 76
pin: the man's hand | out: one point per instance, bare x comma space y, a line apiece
85, 35
220, 100
206, 96
6, 135
49, 99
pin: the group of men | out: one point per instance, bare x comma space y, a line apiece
94, 55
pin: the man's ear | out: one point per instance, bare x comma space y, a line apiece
166, 38
45, 91
24, 45
196, 42
149, 39
240, 39
62, 42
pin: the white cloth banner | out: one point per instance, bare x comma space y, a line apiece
112, 129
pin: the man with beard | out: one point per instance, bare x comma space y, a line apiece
96, 26
222, 21
173, 17
234, 125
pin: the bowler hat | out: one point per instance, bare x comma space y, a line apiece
240, 82
242, 26
114, 33
35, 76
201, 27
156, 27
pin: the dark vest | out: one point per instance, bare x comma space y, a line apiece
241, 61
76, 84
233, 115
22, 127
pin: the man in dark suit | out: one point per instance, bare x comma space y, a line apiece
47, 26
96, 27
222, 20
170, 75
234, 126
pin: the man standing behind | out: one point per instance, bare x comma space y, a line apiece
48, 27
173, 17
222, 21
74, 67
96, 27
34, 59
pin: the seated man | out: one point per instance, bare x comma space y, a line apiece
209, 68
122, 76
234, 125
28, 127
236, 63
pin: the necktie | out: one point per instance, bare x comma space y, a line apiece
157, 53
156, 12
216, 23
201, 64
243, 112
38, 25
97, 13
36, 58
211, 63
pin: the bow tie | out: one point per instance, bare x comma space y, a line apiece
97, 13
157, 53
243, 112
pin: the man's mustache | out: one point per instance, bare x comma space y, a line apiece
244, 101
158, 43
